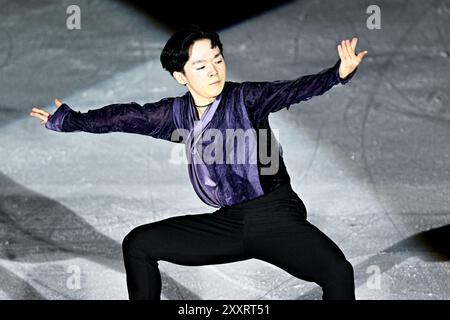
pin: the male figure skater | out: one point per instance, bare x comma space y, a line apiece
259, 216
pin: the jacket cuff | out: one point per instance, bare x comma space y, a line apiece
346, 79
55, 122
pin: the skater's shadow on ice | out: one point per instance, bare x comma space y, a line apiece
431, 245
36, 229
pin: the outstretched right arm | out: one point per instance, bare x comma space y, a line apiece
152, 119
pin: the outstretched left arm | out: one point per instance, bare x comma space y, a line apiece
349, 60
262, 98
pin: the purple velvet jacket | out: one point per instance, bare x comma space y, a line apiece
245, 105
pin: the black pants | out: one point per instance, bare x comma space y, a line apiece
272, 228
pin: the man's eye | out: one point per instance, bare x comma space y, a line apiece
218, 61
201, 68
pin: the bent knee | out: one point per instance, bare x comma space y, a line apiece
343, 270
128, 241
136, 238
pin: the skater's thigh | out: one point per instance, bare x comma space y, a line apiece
193, 239
293, 244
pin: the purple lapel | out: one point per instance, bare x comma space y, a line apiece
199, 175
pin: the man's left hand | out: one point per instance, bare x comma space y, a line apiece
349, 60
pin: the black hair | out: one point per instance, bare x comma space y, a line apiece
176, 51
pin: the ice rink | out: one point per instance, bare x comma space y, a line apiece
370, 159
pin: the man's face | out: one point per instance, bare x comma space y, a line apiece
204, 72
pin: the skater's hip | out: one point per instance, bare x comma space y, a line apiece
282, 197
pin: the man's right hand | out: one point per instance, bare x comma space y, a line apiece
42, 114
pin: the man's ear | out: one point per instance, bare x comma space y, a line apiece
180, 77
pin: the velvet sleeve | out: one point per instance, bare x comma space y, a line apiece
152, 119
263, 98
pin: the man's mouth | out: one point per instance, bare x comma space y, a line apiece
217, 82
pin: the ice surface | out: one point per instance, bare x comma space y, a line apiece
371, 159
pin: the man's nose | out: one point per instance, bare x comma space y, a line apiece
212, 71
